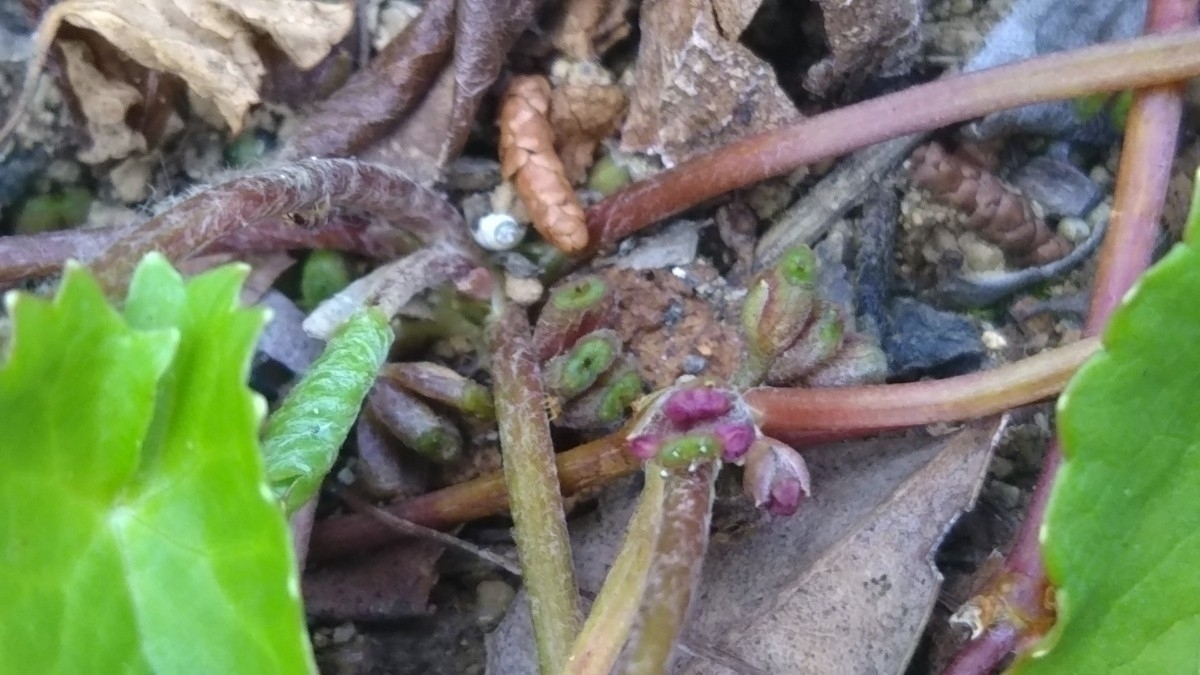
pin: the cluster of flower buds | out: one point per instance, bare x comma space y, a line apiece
794, 337
589, 378
701, 421
413, 404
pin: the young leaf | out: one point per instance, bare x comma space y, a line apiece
135, 527
1122, 532
304, 436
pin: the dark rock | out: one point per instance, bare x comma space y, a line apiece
924, 341
1061, 188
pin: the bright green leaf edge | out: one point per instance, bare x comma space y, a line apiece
1121, 537
137, 533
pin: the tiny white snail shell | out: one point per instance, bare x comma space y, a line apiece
498, 232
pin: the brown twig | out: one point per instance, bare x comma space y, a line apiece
1141, 62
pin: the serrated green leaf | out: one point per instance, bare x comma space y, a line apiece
137, 533
1122, 533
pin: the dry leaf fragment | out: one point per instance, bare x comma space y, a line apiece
585, 109
528, 159
846, 584
697, 87
209, 43
104, 103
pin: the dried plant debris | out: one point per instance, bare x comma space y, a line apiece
846, 584
210, 44
434, 133
1035, 27
529, 160
697, 87
865, 39
994, 209
586, 106
584, 29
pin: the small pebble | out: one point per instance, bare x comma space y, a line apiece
993, 340
1007, 496
343, 633
693, 364
1074, 230
522, 291
1000, 467
492, 598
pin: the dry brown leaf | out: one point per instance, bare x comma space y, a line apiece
846, 585
865, 38
697, 87
104, 103
210, 43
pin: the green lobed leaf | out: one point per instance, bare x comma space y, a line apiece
1122, 533
137, 532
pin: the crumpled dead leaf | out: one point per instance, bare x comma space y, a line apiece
697, 87
865, 38
210, 43
844, 586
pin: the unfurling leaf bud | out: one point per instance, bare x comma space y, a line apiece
689, 406
819, 342
575, 308
569, 375
858, 362
685, 450
644, 447
775, 477
735, 438
441, 384
779, 304
414, 423
605, 404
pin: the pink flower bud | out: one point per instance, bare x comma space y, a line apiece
775, 477
689, 406
735, 438
643, 447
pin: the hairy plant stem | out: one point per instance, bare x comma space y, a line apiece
311, 185
787, 412
1151, 134
605, 459
674, 571
32, 255
539, 523
612, 616
1141, 62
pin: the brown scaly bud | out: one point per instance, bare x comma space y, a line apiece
528, 159
775, 477
857, 362
576, 307
439, 383
413, 422
999, 212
